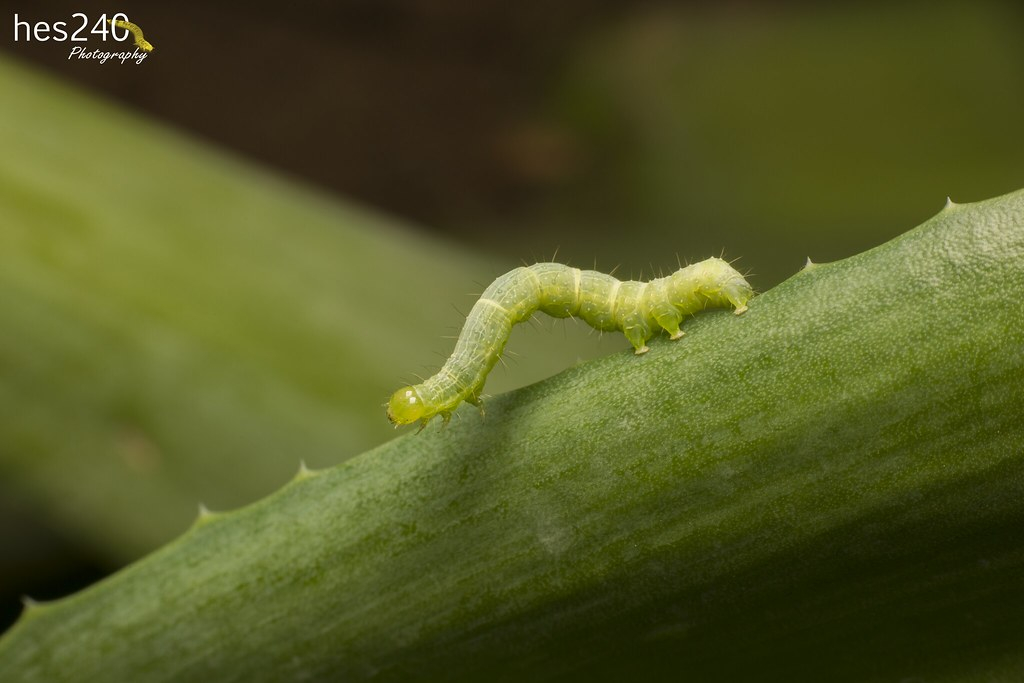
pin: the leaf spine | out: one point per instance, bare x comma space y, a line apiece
204, 516
304, 472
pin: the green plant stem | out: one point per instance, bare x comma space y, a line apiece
830, 487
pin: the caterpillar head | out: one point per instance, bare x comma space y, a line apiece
405, 406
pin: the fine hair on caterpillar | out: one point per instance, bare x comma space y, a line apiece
638, 309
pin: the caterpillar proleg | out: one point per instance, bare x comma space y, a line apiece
140, 40
639, 309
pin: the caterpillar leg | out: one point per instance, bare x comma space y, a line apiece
738, 296
476, 401
669, 320
637, 336
446, 417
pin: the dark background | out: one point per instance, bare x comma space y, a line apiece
784, 130
425, 109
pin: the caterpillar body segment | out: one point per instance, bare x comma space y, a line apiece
140, 40
639, 309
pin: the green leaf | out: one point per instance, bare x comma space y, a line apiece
830, 487
179, 326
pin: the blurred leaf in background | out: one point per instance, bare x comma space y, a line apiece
625, 132
777, 132
181, 327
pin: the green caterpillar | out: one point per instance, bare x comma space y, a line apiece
603, 302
